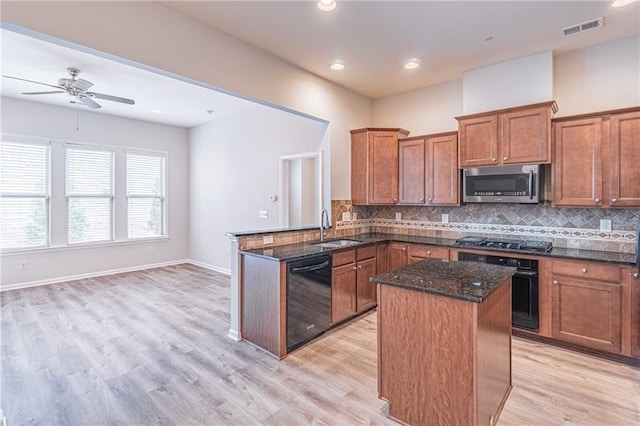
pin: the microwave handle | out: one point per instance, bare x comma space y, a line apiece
531, 184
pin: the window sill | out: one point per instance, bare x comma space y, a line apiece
80, 246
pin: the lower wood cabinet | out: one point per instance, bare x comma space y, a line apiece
632, 276
398, 255
351, 290
418, 252
587, 304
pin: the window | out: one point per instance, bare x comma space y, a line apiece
89, 195
24, 193
145, 195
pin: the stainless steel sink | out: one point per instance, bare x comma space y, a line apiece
336, 243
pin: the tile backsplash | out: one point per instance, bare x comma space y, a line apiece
565, 227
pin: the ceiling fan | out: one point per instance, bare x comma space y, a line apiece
77, 88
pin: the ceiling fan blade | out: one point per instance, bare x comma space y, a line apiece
81, 84
112, 98
31, 81
42, 93
89, 102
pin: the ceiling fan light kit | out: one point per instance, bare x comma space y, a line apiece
77, 88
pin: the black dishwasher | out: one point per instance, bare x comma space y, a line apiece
308, 299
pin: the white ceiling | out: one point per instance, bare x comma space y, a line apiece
182, 104
373, 38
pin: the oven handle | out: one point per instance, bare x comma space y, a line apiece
310, 268
531, 184
526, 274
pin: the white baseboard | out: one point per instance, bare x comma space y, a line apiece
210, 267
90, 275
234, 335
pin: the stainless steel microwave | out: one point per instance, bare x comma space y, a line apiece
503, 184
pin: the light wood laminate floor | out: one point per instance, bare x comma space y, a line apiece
150, 347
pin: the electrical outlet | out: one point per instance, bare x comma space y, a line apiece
354, 216
263, 214
346, 216
398, 216
445, 218
23, 265
152, 250
267, 239
605, 225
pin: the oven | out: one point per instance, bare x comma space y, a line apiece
524, 287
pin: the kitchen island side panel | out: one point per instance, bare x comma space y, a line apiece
425, 356
494, 353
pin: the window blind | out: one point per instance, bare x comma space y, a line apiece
24, 190
89, 180
145, 195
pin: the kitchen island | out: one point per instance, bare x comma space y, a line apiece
444, 342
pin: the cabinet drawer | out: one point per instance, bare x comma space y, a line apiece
343, 257
428, 252
366, 252
589, 270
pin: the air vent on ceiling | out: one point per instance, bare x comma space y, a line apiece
584, 26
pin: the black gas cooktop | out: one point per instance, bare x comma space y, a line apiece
497, 243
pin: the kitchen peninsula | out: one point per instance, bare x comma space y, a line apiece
444, 342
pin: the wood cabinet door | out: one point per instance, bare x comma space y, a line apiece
625, 160
398, 255
442, 173
382, 258
343, 291
587, 312
383, 167
365, 289
412, 172
577, 167
478, 141
525, 136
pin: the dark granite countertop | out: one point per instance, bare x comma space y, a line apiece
300, 250
470, 281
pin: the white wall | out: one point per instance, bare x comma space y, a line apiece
521, 81
234, 166
598, 78
423, 111
177, 44
602, 77
47, 121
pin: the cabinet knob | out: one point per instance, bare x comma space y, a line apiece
614, 200
597, 200
404, 248
635, 275
422, 200
354, 268
555, 282
584, 270
430, 199
505, 158
429, 253
359, 266
395, 200
493, 159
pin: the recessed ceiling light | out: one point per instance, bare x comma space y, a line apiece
488, 38
156, 111
337, 65
622, 3
327, 5
412, 63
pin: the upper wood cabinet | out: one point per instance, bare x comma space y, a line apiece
596, 159
374, 165
520, 135
428, 172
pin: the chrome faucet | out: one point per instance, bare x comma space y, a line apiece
324, 223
